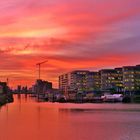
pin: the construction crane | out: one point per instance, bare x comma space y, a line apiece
39, 67
7, 80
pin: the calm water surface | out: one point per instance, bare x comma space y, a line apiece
25, 119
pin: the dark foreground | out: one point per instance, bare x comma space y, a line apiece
6, 98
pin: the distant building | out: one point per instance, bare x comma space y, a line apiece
131, 78
19, 88
42, 86
24, 89
111, 79
64, 83
116, 80
79, 81
73, 82
93, 81
119, 80
33, 88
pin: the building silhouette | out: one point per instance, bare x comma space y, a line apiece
41, 86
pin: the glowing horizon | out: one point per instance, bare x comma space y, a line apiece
76, 34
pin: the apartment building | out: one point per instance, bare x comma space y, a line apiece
111, 79
131, 78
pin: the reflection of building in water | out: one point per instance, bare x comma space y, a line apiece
38, 116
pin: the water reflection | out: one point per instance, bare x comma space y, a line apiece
30, 120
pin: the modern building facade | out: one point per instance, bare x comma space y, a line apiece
73, 82
112, 79
131, 78
93, 81
79, 81
116, 80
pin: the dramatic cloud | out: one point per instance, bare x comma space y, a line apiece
76, 34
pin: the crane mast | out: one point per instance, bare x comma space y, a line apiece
39, 68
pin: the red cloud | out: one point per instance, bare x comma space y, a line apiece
71, 35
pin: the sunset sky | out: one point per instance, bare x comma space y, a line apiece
70, 34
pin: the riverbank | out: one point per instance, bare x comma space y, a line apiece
81, 99
6, 98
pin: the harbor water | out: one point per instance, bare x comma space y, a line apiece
27, 119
